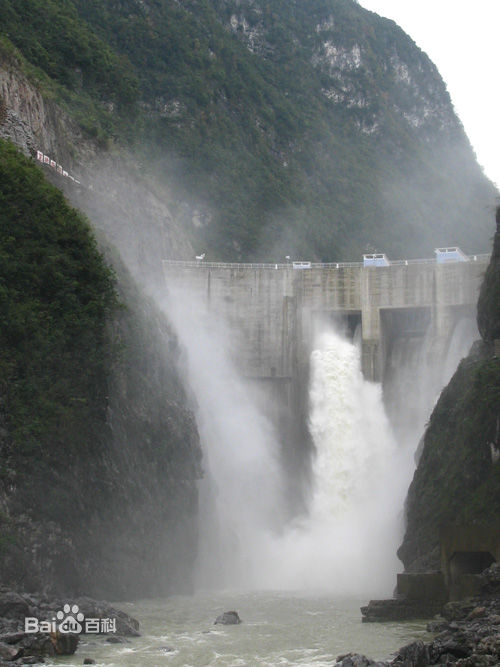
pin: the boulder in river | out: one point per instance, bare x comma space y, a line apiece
228, 618
64, 643
8, 652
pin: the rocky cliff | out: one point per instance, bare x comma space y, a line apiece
134, 213
488, 308
458, 476
100, 456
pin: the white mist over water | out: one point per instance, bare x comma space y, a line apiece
241, 496
416, 372
464, 334
347, 542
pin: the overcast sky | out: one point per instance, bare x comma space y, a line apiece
462, 39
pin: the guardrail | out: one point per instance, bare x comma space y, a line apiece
201, 264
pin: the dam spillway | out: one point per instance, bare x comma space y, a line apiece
240, 322
273, 309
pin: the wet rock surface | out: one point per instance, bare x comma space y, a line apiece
467, 634
228, 618
398, 609
20, 647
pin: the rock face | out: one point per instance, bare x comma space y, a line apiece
457, 479
133, 214
468, 636
147, 535
31, 121
488, 308
100, 466
138, 489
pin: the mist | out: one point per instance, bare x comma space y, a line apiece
347, 543
342, 536
417, 369
242, 494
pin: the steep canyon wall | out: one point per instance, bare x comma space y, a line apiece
130, 523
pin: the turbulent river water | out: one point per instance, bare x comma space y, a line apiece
278, 628
342, 551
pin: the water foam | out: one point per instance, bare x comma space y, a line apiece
241, 496
347, 543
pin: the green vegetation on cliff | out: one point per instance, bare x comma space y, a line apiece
56, 296
307, 127
457, 480
52, 37
488, 307
98, 455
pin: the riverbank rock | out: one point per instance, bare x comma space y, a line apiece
9, 653
13, 606
31, 648
20, 647
416, 654
126, 626
490, 579
354, 660
228, 618
399, 609
64, 643
468, 635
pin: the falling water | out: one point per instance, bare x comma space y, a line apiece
361, 473
347, 543
241, 496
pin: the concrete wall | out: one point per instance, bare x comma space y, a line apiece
274, 309
465, 552
273, 312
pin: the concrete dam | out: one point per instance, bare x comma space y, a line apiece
276, 309
272, 314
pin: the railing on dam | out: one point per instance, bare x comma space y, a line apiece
313, 265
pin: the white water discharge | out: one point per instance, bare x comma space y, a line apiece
347, 544
241, 496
